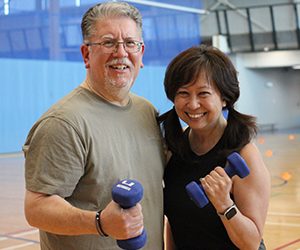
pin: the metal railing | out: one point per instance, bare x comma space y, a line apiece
258, 28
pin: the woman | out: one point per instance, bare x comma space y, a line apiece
201, 82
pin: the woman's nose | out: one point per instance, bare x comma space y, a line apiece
193, 102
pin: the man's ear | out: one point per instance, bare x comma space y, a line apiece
142, 51
85, 52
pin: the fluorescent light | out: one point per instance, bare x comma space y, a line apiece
77, 3
6, 7
297, 66
170, 6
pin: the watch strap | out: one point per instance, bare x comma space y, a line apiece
229, 212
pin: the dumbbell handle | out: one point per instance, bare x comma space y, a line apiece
235, 165
127, 193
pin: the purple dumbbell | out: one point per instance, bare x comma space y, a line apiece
127, 193
235, 165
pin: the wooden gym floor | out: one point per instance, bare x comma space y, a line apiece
282, 231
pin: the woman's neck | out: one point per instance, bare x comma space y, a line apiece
202, 142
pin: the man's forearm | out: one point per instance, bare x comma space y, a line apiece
54, 214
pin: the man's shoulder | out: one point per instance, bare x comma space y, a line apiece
140, 100
69, 105
68, 109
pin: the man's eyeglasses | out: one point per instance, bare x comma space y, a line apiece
111, 46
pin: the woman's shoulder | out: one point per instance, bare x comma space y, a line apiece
250, 149
253, 157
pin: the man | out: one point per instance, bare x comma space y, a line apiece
98, 134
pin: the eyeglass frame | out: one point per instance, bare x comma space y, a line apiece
116, 45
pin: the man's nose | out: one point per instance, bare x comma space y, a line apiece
120, 49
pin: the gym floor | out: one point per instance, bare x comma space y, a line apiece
282, 230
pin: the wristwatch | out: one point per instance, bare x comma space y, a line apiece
229, 212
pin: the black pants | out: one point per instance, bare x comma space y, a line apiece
262, 245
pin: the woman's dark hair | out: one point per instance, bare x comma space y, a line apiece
185, 68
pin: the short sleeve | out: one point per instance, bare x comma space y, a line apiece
54, 158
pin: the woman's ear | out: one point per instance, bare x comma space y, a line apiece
224, 104
85, 52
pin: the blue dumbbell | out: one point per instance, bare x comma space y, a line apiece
127, 193
235, 165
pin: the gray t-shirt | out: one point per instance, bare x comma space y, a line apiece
82, 146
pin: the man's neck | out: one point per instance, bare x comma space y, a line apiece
119, 99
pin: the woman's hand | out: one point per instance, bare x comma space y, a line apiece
217, 186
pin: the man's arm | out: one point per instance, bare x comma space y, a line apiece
53, 214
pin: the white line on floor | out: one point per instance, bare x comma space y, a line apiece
18, 246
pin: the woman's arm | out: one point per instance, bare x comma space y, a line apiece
169, 242
251, 196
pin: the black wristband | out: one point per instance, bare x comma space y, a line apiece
98, 224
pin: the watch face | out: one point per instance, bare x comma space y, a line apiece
230, 213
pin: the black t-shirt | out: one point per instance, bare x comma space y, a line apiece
193, 227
